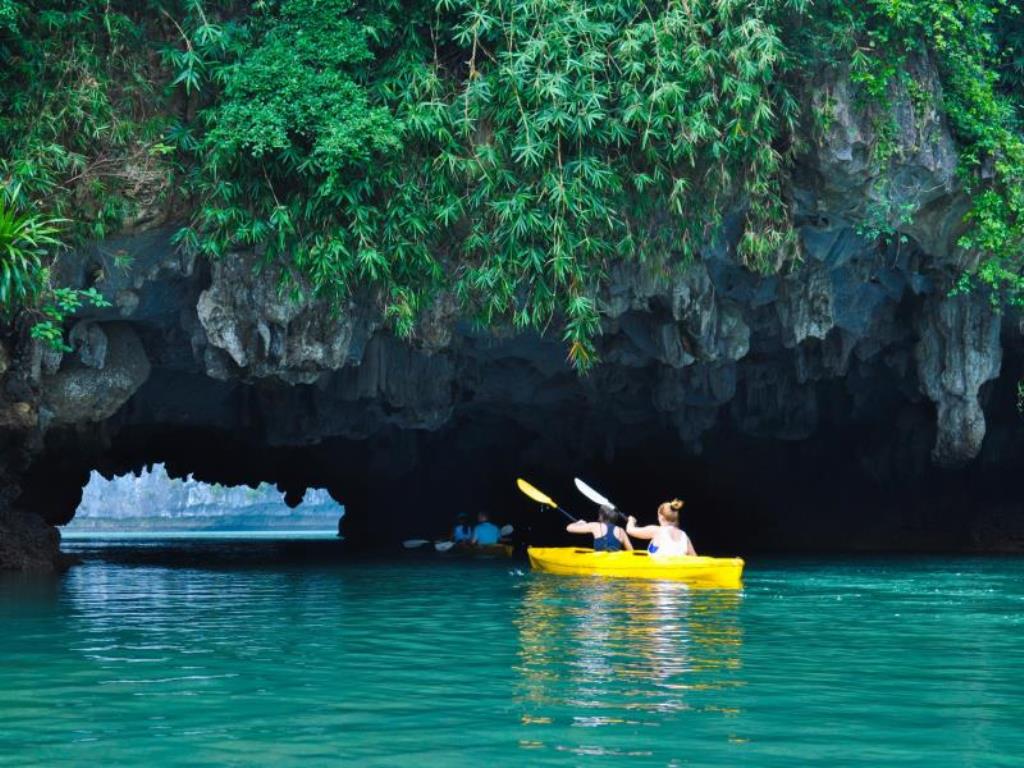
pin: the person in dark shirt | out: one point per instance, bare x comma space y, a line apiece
608, 537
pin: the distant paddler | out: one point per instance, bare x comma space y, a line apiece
462, 533
667, 538
485, 533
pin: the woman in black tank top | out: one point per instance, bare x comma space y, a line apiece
608, 537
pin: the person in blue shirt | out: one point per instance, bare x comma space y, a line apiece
462, 533
485, 533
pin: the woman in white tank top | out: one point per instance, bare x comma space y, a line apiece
667, 539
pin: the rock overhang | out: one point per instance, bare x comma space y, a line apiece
853, 365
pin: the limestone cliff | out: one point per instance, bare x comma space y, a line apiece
847, 402
152, 501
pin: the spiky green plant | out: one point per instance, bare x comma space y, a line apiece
25, 239
507, 152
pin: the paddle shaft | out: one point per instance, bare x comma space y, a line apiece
566, 514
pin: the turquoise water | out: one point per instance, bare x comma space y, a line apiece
881, 662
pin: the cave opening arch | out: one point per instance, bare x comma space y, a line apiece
849, 485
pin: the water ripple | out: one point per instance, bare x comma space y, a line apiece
859, 662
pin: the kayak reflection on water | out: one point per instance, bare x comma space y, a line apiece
664, 651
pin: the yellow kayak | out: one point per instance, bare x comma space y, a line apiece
724, 572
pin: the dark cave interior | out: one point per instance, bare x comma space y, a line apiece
860, 481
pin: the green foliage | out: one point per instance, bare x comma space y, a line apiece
80, 129
976, 45
507, 152
60, 304
202, 41
24, 241
78, 109
291, 129
1009, 45
988, 123
292, 95
576, 134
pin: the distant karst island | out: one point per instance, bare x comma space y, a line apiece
155, 502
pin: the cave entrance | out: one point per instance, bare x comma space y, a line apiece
851, 484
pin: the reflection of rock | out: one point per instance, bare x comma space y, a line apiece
95, 387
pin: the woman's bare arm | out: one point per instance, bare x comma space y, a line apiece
580, 526
689, 547
640, 531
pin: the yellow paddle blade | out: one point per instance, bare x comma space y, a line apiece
535, 494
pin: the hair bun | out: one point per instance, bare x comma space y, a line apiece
676, 504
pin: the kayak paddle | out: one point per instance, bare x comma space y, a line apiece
539, 496
593, 495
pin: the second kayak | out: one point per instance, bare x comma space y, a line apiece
482, 550
723, 572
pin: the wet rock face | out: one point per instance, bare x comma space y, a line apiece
28, 543
254, 328
958, 350
890, 169
110, 367
848, 401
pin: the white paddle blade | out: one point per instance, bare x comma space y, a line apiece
443, 546
506, 530
413, 543
591, 494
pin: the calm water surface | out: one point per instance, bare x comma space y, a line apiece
129, 660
